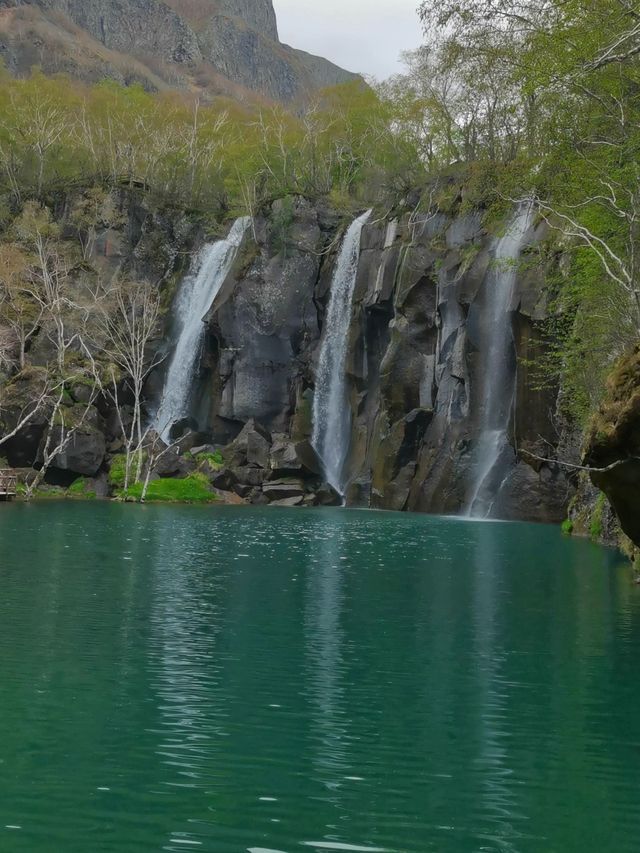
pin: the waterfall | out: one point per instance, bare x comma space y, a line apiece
331, 412
498, 377
195, 298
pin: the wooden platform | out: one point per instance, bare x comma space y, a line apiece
8, 485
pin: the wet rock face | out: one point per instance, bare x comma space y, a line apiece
413, 365
264, 323
417, 407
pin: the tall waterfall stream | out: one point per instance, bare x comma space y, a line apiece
331, 413
195, 298
499, 378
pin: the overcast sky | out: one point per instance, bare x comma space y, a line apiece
360, 35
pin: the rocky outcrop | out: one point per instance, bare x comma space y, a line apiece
271, 469
258, 15
133, 26
612, 444
194, 44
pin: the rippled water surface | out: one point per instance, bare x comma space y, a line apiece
276, 681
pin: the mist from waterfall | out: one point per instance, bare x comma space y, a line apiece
331, 411
195, 298
497, 372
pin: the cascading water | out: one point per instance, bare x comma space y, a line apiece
498, 375
331, 412
195, 298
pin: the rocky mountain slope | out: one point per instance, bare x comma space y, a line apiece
210, 46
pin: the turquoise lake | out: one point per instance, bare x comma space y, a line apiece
234, 679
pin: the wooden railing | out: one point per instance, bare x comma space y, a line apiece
8, 484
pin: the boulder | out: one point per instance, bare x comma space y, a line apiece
250, 476
327, 496
224, 480
182, 427
257, 450
84, 454
82, 393
308, 458
203, 448
98, 486
284, 455
230, 498
252, 443
171, 464
243, 489
289, 502
118, 423
283, 490
188, 441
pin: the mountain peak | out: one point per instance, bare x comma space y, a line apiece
258, 15
211, 46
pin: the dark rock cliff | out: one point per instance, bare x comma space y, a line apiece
415, 387
412, 366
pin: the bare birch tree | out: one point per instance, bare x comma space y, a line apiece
128, 314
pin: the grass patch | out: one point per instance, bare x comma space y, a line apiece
49, 493
79, 489
193, 490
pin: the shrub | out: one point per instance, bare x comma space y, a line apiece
215, 460
567, 527
596, 527
117, 470
79, 489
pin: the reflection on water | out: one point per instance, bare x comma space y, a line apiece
325, 670
253, 680
499, 785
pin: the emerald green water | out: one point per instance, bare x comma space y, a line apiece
223, 679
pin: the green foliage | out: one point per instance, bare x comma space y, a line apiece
596, 526
80, 489
542, 99
193, 489
46, 492
214, 460
218, 159
117, 471
282, 220
567, 527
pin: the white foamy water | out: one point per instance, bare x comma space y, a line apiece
197, 292
331, 413
499, 378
